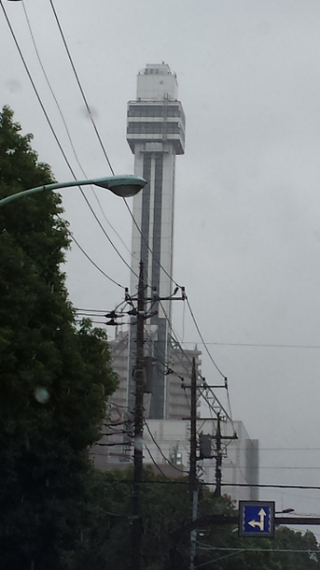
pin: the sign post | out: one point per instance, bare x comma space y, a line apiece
256, 518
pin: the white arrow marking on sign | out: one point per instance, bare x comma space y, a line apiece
262, 514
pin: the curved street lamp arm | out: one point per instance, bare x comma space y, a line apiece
125, 186
53, 186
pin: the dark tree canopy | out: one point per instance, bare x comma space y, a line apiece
166, 511
54, 378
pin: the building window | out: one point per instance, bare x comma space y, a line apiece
155, 128
165, 110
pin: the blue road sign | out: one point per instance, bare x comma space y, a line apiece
256, 518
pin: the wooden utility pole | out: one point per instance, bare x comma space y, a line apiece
138, 428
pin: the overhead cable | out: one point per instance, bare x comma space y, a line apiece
94, 263
204, 344
66, 126
228, 415
149, 248
54, 133
80, 87
155, 463
160, 450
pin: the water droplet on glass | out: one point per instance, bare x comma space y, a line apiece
41, 395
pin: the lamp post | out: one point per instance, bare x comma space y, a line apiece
124, 186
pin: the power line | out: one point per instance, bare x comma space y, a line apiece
260, 345
101, 323
51, 88
214, 363
94, 263
80, 87
278, 467
54, 133
173, 332
111, 226
154, 462
213, 483
149, 248
205, 345
217, 559
66, 126
227, 549
165, 361
229, 400
106, 234
90, 310
161, 452
229, 416
289, 448
176, 339
36, 92
268, 486
91, 260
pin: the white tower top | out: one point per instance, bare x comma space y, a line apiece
156, 82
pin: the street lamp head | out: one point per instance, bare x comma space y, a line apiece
123, 186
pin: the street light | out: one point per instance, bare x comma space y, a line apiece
124, 186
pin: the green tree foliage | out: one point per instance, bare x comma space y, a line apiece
166, 511
165, 507
54, 379
289, 550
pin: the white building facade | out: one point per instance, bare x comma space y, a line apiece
168, 442
166, 448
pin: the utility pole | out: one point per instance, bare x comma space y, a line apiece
138, 428
193, 462
217, 492
141, 315
218, 438
193, 484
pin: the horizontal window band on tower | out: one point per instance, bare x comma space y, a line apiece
153, 128
160, 120
170, 133
155, 111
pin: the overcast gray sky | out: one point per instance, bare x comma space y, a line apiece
247, 224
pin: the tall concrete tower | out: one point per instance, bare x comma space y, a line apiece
156, 134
